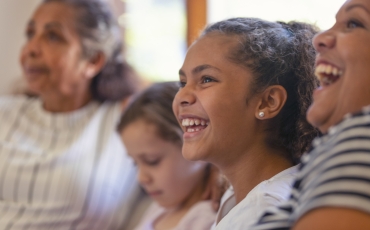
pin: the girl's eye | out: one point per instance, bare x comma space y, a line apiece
207, 79
353, 24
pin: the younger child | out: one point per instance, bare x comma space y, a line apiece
153, 138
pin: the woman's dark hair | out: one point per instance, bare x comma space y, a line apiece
99, 32
154, 105
278, 53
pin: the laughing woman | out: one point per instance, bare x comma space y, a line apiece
62, 164
332, 190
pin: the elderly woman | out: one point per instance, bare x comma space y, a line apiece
332, 190
61, 162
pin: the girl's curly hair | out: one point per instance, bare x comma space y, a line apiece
278, 53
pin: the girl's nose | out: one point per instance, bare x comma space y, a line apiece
185, 97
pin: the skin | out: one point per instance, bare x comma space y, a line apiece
346, 46
172, 181
216, 90
52, 60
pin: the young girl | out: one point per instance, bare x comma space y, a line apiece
153, 139
246, 85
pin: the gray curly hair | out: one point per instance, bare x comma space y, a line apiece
99, 32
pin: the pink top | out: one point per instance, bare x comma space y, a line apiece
201, 217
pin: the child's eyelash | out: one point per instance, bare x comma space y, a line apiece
153, 162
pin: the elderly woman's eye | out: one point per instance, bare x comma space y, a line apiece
53, 36
29, 34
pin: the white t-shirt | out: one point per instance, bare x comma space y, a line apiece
62, 170
268, 193
199, 217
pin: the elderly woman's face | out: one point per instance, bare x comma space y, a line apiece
342, 66
52, 56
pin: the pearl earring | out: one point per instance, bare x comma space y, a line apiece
261, 114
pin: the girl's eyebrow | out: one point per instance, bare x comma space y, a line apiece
199, 69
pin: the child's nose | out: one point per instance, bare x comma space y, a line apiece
143, 177
185, 96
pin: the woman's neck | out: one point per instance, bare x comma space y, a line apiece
60, 103
252, 167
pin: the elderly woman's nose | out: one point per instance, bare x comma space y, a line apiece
324, 40
32, 47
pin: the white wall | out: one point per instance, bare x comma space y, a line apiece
320, 12
13, 18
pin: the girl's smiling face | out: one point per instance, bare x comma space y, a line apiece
162, 171
214, 105
342, 66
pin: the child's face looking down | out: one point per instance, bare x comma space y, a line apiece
162, 171
215, 91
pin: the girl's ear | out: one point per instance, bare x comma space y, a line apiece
271, 102
94, 65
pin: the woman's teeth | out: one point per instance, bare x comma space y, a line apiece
327, 74
194, 124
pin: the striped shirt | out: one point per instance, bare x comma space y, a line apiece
335, 173
62, 170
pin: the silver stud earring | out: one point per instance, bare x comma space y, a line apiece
261, 114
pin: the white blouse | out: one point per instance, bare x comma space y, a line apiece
268, 193
62, 170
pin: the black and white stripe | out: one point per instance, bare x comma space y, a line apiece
335, 173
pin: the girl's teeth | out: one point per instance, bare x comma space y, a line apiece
189, 123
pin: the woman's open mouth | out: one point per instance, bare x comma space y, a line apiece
327, 74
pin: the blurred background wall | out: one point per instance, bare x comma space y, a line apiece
155, 31
13, 17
